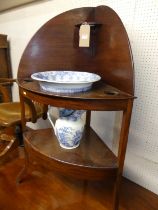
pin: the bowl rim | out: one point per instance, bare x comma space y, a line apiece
34, 76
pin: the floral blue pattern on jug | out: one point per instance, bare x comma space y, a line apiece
65, 142
68, 127
70, 114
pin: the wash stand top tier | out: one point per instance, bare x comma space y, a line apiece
55, 46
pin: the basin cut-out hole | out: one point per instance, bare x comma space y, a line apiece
28, 80
111, 93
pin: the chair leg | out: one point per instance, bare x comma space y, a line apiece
8, 144
18, 134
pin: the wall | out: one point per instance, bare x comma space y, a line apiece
140, 19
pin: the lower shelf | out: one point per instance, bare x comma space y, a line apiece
91, 160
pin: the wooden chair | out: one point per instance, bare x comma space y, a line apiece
10, 118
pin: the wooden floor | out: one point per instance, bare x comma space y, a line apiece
51, 191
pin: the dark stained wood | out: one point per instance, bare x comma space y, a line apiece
5, 66
88, 119
101, 97
91, 160
3, 41
122, 151
114, 59
51, 191
99, 91
53, 47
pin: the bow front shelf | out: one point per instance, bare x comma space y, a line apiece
55, 46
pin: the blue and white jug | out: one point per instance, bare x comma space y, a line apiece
68, 127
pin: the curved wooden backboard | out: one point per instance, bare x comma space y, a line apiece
55, 47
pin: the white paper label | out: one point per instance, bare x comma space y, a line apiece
84, 35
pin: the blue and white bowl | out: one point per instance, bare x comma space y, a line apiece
65, 81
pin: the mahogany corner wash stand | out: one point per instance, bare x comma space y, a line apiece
55, 47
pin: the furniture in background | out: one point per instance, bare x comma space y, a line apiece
109, 55
10, 119
10, 112
5, 66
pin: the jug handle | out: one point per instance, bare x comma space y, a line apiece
51, 122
